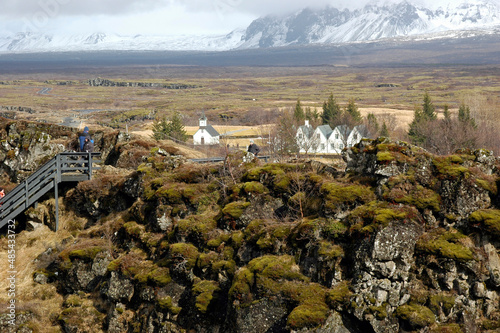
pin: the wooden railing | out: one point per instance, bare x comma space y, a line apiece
64, 167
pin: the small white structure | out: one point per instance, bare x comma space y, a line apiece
319, 139
338, 139
303, 137
324, 140
206, 134
358, 132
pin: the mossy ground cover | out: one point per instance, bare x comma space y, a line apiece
375, 215
489, 218
445, 244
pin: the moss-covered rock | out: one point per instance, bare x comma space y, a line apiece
489, 218
445, 244
205, 292
416, 316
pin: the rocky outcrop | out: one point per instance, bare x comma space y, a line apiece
400, 241
99, 82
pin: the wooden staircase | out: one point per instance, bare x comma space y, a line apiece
64, 167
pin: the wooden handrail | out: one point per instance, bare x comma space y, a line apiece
64, 167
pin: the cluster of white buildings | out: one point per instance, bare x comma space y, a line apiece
322, 140
325, 140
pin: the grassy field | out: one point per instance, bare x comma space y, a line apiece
245, 96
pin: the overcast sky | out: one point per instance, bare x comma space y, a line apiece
160, 17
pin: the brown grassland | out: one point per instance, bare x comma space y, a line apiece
246, 96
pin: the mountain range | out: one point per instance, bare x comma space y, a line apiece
403, 21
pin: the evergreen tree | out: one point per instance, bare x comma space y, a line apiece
428, 109
161, 128
177, 130
384, 131
298, 113
169, 129
308, 114
353, 111
372, 123
464, 115
446, 113
331, 111
422, 118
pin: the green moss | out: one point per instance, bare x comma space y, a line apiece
254, 188
171, 193
417, 196
240, 289
281, 183
276, 267
376, 215
450, 167
337, 194
159, 277
447, 328
272, 169
490, 324
205, 259
196, 228
205, 292
228, 266
254, 227
417, 316
307, 315
338, 295
380, 312
444, 244
329, 251
166, 304
86, 254
305, 231
72, 301
489, 218
334, 228
133, 229
186, 251
237, 238
385, 157
441, 301
114, 265
235, 209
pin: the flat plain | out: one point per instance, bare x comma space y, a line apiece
242, 95
244, 91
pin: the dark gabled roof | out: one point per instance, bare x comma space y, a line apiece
363, 131
212, 131
307, 130
326, 130
344, 130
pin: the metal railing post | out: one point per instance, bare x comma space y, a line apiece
90, 165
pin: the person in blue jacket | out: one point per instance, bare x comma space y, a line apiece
83, 136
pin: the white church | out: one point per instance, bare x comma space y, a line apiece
206, 134
325, 140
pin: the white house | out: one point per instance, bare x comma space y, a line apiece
303, 137
338, 139
324, 140
319, 139
206, 134
358, 132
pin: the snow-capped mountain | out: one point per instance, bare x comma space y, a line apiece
37, 42
376, 20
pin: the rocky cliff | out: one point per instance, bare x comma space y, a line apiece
399, 241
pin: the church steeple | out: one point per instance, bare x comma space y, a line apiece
203, 120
